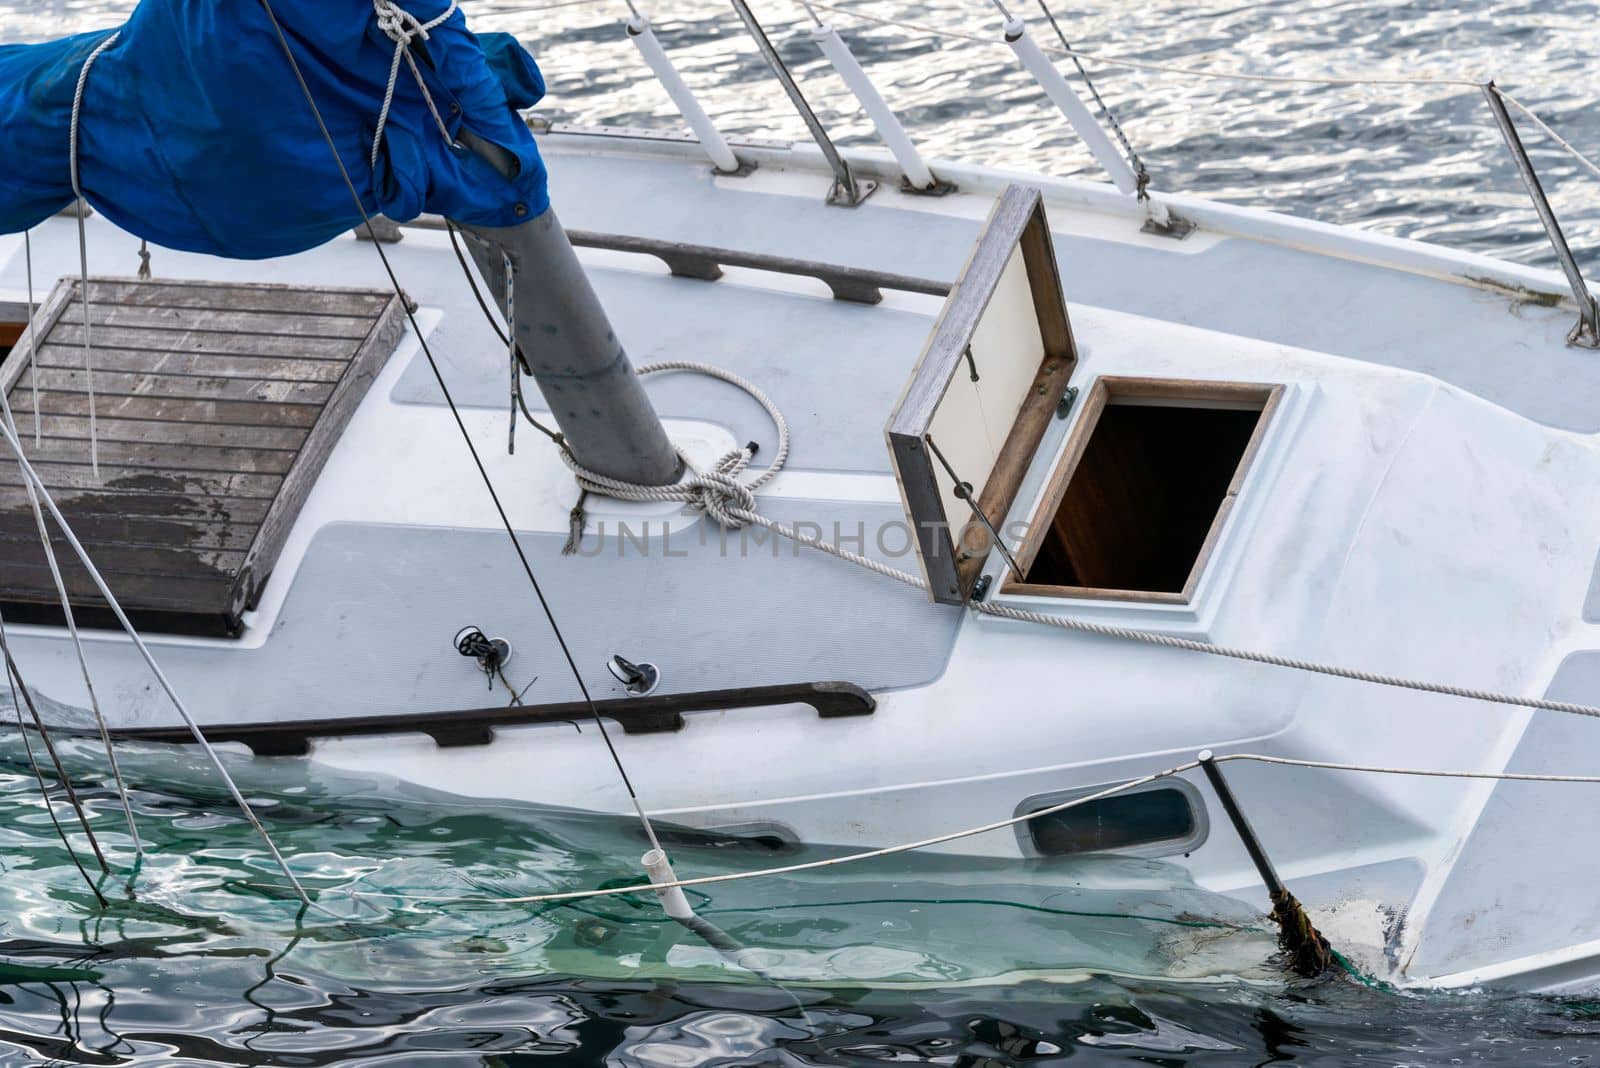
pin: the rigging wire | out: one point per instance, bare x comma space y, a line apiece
66, 600
83, 246
1140, 173
14, 677
77, 644
1537, 121
38, 775
461, 425
511, 352
33, 346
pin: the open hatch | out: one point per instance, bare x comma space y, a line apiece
1148, 476
13, 321
990, 379
1135, 505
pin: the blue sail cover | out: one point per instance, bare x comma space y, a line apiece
195, 135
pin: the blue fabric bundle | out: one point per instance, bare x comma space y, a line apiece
195, 135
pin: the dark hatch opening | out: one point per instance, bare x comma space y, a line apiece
10, 334
1143, 488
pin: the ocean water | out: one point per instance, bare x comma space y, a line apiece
203, 958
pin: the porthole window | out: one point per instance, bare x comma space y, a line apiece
1156, 820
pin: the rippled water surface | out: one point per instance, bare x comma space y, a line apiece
207, 961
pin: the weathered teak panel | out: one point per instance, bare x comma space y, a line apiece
216, 406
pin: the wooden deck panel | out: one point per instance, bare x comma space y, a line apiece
216, 405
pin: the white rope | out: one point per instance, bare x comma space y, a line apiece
402, 27
717, 491
29, 474
1372, 678
732, 503
83, 249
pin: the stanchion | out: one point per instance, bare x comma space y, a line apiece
1309, 953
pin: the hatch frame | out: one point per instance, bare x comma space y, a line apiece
1016, 223
1267, 398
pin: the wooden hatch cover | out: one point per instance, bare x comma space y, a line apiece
216, 405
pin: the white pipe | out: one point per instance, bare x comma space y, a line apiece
673, 899
711, 140
676, 904
1072, 106
872, 102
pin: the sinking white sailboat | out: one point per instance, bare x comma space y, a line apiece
941, 498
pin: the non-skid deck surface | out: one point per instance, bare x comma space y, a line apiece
216, 406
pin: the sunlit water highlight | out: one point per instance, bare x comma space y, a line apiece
918, 960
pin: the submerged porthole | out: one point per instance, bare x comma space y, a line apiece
1161, 819
755, 837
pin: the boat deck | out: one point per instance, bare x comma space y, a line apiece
216, 406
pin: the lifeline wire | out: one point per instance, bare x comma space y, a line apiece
83, 247
38, 775
1537, 121
77, 640
810, 865
871, 854
466, 437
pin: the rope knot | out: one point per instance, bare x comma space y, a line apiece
400, 25
718, 492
